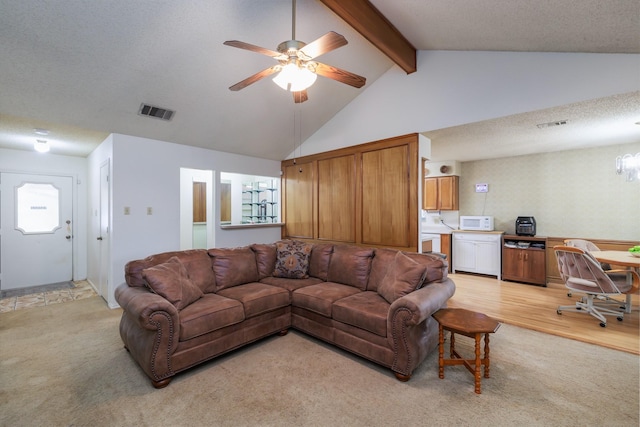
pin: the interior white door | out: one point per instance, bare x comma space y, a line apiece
103, 238
36, 239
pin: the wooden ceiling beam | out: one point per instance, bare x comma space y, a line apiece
375, 27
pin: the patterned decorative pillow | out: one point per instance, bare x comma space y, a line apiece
170, 280
292, 259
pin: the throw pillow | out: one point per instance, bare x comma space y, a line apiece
403, 277
171, 281
292, 259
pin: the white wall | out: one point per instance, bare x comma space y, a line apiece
50, 164
455, 88
146, 173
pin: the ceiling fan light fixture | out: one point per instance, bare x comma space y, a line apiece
295, 78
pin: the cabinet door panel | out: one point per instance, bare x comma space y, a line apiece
511, 263
298, 191
448, 193
336, 198
385, 196
534, 266
430, 194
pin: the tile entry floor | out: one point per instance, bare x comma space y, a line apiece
80, 290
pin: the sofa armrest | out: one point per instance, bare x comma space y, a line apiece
419, 305
143, 306
410, 325
149, 328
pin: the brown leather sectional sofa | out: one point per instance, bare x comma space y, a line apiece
185, 307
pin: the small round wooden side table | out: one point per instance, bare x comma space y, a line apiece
470, 324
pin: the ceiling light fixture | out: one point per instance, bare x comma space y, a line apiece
41, 146
295, 78
629, 165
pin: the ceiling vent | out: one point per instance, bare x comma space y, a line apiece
551, 124
157, 112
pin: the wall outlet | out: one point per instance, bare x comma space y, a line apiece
127, 210
482, 188
149, 210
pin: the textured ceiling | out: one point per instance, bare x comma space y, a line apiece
82, 68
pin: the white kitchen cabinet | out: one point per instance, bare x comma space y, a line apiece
477, 252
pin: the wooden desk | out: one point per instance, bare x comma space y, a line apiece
470, 324
624, 259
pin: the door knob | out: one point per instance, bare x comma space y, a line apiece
99, 238
68, 237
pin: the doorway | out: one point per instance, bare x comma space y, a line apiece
196, 209
36, 230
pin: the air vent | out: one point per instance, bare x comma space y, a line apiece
552, 124
157, 112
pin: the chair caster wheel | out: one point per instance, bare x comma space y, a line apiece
558, 311
568, 294
578, 308
619, 319
603, 324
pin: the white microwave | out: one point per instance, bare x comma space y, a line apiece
476, 223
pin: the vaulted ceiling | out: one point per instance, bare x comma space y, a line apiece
81, 69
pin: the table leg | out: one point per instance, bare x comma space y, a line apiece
440, 352
487, 364
478, 364
452, 345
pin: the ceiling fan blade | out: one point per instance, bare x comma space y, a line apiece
257, 76
340, 75
322, 45
254, 48
299, 97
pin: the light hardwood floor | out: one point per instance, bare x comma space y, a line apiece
534, 307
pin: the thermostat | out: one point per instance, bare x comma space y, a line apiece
482, 188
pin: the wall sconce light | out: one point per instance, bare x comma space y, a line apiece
629, 165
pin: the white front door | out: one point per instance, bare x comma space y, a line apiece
35, 230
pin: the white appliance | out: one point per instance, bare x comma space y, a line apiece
476, 223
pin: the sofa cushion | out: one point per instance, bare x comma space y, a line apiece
403, 276
350, 265
257, 298
364, 310
196, 261
292, 259
170, 280
265, 259
382, 260
290, 284
209, 313
233, 267
319, 260
320, 298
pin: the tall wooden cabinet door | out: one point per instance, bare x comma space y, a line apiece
448, 193
336, 199
385, 197
430, 194
298, 197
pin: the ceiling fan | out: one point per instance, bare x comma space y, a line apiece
296, 66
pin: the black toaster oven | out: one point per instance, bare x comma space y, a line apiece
526, 226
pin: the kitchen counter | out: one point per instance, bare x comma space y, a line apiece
478, 232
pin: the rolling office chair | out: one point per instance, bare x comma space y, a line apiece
581, 272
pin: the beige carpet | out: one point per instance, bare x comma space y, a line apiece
64, 365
